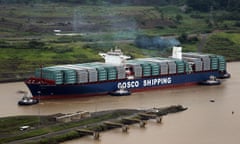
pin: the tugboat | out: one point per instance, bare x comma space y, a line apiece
120, 92
226, 75
211, 81
26, 100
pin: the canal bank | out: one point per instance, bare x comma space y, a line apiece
48, 129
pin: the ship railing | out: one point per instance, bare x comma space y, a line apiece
33, 80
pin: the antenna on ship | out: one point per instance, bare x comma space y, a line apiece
41, 73
39, 94
39, 117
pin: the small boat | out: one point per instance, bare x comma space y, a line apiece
27, 101
212, 100
225, 76
120, 92
211, 81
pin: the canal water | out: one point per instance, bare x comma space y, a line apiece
204, 122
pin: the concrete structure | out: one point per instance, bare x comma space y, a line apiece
72, 116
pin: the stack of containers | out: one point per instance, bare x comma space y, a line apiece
92, 72
163, 68
146, 69
121, 74
155, 69
172, 67
206, 63
105, 71
137, 68
205, 59
214, 62
222, 63
59, 74
180, 66
69, 76
187, 67
149, 67
111, 72
196, 61
81, 74
50, 74
102, 73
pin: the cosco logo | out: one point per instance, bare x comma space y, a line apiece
130, 84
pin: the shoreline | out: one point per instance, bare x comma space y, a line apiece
43, 129
13, 80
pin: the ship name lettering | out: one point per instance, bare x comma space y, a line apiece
130, 84
157, 81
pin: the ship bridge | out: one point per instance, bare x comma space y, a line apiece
115, 57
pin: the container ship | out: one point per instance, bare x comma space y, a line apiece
120, 72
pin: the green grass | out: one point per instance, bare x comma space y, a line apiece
17, 57
189, 47
234, 37
46, 124
10, 126
226, 44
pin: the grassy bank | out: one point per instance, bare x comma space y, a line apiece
41, 125
51, 131
27, 39
226, 44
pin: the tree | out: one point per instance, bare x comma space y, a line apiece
178, 18
36, 44
183, 37
200, 5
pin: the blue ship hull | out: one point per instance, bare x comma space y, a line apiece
45, 91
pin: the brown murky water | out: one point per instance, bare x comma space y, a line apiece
203, 123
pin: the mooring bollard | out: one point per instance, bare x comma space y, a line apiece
96, 135
125, 128
159, 119
142, 124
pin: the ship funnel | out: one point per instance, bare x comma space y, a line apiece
177, 52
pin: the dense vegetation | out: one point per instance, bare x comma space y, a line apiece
208, 5
27, 37
201, 5
224, 44
100, 2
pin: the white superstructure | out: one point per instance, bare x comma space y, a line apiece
177, 52
115, 57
